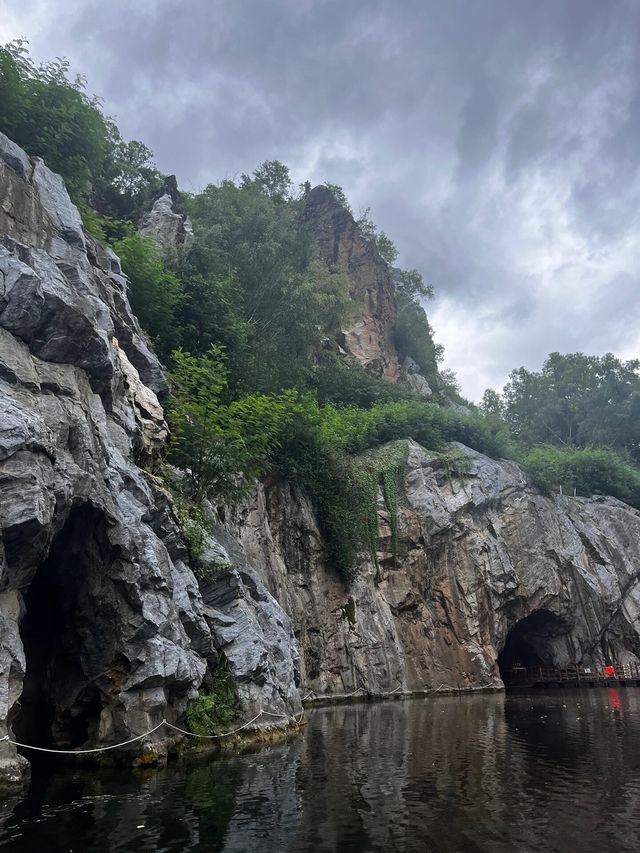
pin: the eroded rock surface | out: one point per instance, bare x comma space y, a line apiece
252, 631
370, 338
103, 630
168, 228
477, 555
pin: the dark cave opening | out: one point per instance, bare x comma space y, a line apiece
531, 643
61, 703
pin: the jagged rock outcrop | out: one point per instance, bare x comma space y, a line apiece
479, 556
413, 377
340, 243
103, 630
169, 228
249, 627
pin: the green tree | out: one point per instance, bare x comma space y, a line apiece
339, 195
370, 231
575, 401
273, 179
492, 403
413, 337
154, 293
410, 285
51, 116
221, 446
284, 301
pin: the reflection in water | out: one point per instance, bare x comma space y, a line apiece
556, 771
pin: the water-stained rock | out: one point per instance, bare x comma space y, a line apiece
479, 553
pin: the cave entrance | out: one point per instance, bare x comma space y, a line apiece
61, 703
533, 642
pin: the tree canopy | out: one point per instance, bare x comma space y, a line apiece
576, 400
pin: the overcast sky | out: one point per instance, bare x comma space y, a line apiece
496, 141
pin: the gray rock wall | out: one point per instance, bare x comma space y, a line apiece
476, 556
103, 629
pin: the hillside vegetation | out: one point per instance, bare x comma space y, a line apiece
240, 314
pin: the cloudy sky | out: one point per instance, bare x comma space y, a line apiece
496, 141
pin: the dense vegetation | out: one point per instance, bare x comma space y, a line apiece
576, 423
240, 315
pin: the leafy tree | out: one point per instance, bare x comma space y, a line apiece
284, 301
154, 293
273, 178
413, 337
339, 195
410, 285
370, 231
344, 381
492, 403
51, 116
576, 400
220, 445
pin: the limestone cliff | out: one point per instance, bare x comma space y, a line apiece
340, 243
103, 628
479, 556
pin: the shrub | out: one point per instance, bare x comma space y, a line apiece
589, 471
217, 708
221, 446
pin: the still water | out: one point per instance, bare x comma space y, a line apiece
544, 771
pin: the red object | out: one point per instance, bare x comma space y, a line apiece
609, 670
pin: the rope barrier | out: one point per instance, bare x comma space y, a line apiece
84, 751
246, 725
7, 739
213, 737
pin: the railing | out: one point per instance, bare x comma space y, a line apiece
545, 674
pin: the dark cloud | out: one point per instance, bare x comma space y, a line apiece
495, 141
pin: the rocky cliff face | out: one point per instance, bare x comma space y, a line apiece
167, 227
340, 243
488, 570
103, 629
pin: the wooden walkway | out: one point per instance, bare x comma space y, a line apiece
573, 676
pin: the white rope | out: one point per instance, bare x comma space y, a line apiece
246, 725
7, 739
213, 737
347, 695
83, 751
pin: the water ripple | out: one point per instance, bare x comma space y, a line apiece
557, 771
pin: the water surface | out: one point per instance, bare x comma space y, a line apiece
544, 771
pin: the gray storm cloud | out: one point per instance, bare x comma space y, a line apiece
496, 141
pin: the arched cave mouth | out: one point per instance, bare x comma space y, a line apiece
61, 632
531, 643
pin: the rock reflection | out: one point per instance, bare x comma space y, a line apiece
529, 772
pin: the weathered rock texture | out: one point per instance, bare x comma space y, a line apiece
103, 630
411, 374
340, 243
477, 555
168, 228
251, 629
